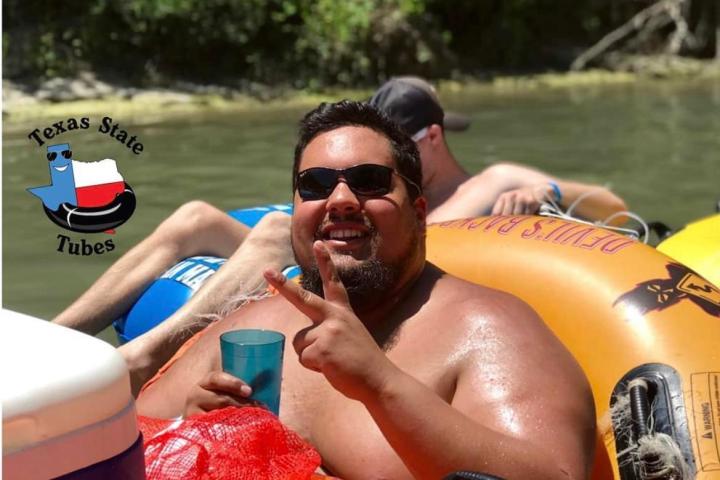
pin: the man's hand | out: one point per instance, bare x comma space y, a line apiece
217, 390
337, 344
522, 201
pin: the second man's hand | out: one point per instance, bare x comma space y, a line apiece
522, 201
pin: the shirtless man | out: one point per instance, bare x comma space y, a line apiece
198, 228
393, 368
500, 189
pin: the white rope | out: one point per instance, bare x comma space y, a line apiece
550, 208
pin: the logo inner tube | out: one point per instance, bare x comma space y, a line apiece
95, 219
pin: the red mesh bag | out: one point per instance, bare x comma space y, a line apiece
230, 443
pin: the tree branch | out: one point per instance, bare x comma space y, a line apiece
647, 21
682, 35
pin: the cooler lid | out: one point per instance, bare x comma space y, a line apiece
55, 380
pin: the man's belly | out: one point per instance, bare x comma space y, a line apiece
342, 430
350, 443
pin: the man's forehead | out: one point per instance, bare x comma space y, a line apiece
338, 141
345, 144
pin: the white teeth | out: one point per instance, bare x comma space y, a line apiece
61, 169
344, 234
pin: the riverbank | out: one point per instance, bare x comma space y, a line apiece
88, 95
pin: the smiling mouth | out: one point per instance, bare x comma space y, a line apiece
61, 169
344, 234
344, 240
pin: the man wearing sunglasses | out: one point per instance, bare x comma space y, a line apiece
393, 368
502, 188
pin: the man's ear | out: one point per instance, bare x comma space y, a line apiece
435, 134
420, 207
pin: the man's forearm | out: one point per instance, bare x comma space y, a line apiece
145, 354
433, 438
596, 202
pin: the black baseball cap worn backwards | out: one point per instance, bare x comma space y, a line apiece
413, 104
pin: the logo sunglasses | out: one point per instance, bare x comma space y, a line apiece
53, 155
368, 180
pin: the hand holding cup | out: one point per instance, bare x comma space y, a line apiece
217, 390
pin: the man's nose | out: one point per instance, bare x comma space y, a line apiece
342, 200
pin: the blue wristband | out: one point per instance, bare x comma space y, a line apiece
556, 191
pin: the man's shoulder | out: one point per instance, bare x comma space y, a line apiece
483, 314
470, 301
469, 199
490, 318
475, 294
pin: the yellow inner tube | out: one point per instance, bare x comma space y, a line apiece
697, 246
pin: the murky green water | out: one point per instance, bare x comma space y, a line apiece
656, 144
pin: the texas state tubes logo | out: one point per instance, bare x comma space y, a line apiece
84, 197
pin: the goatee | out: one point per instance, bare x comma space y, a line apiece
365, 284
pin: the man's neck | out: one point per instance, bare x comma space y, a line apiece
382, 319
447, 176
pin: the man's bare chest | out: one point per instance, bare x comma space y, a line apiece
342, 429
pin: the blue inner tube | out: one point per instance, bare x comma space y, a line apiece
175, 287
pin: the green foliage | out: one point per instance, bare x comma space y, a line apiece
523, 34
306, 43
355, 42
301, 43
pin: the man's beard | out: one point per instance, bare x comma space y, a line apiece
367, 283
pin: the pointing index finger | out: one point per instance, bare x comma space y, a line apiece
332, 285
307, 302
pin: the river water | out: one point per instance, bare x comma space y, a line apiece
657, 144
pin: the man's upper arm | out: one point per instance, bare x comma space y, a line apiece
519, 380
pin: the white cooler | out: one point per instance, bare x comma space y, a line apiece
67, 409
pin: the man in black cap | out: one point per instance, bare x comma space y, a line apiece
503, 188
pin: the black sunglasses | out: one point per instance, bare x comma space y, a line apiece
368, 180
53, 155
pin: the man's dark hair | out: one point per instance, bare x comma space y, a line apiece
330, 116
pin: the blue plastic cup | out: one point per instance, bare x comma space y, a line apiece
256, 357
